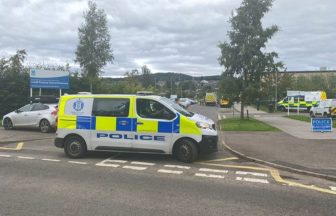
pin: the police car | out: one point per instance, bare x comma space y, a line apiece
132, 123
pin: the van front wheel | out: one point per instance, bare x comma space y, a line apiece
75, 147
186, 151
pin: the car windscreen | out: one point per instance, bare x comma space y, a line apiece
177, 107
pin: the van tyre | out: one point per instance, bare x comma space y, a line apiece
8, 124
44, 126
186, 151
75, 147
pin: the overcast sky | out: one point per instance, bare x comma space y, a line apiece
167, 35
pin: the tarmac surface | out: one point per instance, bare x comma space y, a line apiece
38, 179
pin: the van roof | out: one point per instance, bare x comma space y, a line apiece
109, 95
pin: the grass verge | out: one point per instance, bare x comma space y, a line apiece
236, 124
299, 118
305, 119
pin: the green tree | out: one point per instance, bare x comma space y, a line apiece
14, 82
146, 77
94, 50
244, 55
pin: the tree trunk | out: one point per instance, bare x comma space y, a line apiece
91, 86
242, 108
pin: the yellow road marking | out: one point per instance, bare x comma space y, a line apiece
221, 159
17, 148
276, 175
235, 166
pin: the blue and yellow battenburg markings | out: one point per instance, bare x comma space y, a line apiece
123, 124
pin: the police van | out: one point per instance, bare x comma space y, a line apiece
132, 123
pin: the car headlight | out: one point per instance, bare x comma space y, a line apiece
203, 125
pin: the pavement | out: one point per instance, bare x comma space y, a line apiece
21, 135
296, 147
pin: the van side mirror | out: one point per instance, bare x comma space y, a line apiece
18, 111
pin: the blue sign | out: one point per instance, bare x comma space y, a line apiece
49, 79
321, 124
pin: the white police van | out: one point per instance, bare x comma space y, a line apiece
132, 123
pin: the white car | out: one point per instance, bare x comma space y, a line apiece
185, 102
325, 108
35, 115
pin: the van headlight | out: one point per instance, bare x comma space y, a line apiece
203, 125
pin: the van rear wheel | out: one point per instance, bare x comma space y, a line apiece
186, 151
75, 147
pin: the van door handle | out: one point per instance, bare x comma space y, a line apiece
124, 123
139, 123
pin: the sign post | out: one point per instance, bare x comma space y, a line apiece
321, 124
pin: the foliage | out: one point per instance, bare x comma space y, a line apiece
94, 49
14, 82
236, 124
244, 56
283, 81
146, 78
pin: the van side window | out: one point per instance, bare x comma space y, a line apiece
114, 107
152, 109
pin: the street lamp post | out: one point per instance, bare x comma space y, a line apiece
276, 90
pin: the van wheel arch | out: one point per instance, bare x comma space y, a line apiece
186, 143
81, 142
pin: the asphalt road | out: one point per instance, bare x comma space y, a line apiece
40, 180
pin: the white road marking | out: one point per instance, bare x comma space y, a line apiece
115, 161
170, 171
264, 181
142, 163
107, 165
251, 173
77, 162
333, 188
224, 116
110, 163
51, 160
213, 170
177, 166
134, 167
7, 156
28, 158
219, 116
209, 175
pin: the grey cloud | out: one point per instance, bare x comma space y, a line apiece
176, 35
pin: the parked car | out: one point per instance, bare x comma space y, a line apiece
325, 108
184, 102
35, 115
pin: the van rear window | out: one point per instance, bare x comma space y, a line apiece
114, 107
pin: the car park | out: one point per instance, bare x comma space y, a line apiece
33, 115
325, 108
132, 123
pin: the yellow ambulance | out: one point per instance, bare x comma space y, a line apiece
132, 123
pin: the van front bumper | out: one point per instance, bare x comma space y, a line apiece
208, 144
59, 142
